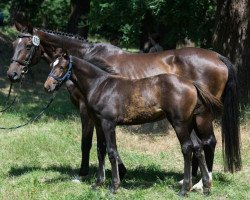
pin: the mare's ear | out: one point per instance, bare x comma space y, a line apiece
22, 23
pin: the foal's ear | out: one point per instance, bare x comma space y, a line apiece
65, 55
22, 24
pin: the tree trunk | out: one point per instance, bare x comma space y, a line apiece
79, 8
232, 39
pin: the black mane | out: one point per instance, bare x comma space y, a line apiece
70, 35
101, 64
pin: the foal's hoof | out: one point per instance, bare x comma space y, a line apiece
97, 184
206, 191
113, 189
182, 194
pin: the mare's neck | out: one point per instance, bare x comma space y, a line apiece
74, 45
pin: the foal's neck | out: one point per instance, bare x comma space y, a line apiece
87, 75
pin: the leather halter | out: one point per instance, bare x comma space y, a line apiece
27, 61
66, 76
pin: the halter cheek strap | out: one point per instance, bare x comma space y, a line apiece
66, 76
26, 63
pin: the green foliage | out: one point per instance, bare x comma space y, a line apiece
175, 20
127, 21
52, 14
116, 19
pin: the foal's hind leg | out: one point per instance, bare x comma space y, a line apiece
199, 153
183, 135
204, 130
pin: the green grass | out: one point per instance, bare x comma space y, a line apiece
40, 160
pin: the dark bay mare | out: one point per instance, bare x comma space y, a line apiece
112, 100
206, 67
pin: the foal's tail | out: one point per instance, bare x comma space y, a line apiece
209, 100
230, 120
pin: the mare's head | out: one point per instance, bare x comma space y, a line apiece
60, 73
27, 52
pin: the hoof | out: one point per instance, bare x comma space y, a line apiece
97, 184
206, 191
182, 194
113, 189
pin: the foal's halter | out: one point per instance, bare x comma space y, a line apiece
65, 77
27, 61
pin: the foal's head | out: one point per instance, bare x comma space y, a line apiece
60, 73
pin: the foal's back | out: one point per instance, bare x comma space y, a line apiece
150, 99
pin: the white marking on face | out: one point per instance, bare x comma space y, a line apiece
19, 41
56, 62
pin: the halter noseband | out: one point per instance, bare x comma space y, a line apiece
26, 62
66, 76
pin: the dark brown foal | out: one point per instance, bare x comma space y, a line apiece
112, 100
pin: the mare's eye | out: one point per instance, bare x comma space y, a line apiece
28, 47
61, 68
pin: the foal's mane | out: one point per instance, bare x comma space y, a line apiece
101, 64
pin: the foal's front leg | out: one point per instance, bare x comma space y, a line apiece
109, 132
101, 154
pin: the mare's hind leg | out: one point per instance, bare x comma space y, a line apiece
204, 130
183, 135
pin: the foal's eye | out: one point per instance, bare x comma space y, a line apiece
28, 47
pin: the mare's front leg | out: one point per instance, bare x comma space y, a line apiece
86, 142
110, 136
182, 131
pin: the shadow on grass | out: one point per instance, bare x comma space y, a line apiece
140, 177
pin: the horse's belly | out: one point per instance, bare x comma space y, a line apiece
140, 116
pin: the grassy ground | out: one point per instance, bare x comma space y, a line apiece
40, 160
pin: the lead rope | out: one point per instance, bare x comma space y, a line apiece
12, 102
33, 118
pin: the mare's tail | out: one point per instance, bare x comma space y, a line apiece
230, 120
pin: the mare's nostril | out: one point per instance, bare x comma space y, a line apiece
11, 75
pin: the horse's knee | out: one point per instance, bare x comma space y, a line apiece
186, 148
211, 142
112, 154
